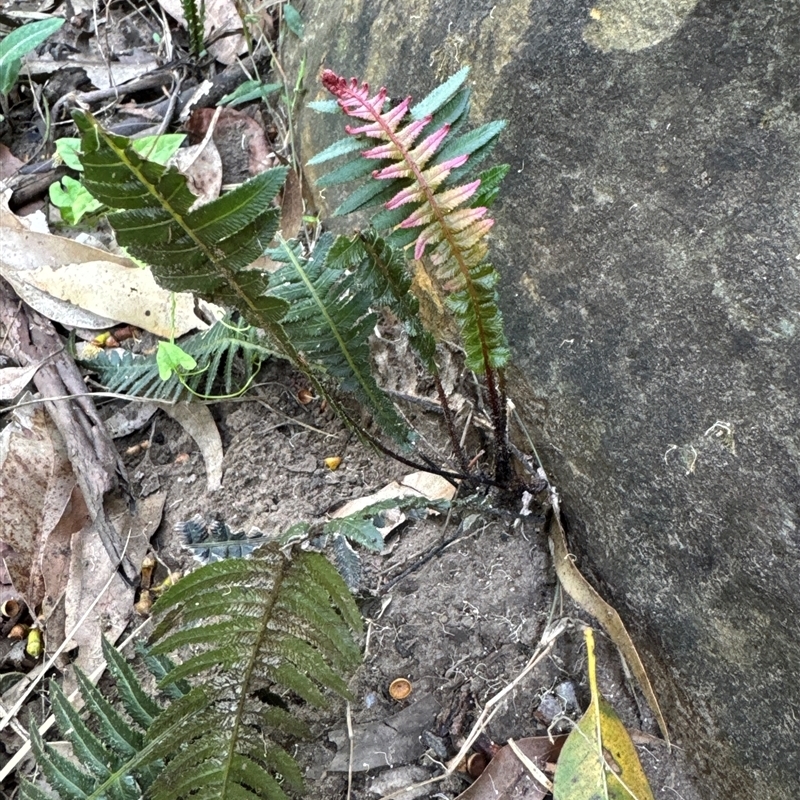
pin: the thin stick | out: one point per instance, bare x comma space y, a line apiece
535, 772
352, 748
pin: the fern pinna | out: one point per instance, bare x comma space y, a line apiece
418, 166
258, 634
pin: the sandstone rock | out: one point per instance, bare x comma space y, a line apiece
648, 236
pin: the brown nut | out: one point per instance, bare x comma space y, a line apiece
476, 764
19, 631
400, 689
10, 608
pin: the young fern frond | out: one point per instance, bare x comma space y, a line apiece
232, 351
419, 174
265, 627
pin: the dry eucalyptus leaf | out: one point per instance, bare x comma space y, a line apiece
14, 379
93, 575
88, 287
36, 485
202, 166
415, 484
506, 777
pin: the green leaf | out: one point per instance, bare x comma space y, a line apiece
440, 95
598, 760
379, 270
490, 185
359, 529
68, 150
171, 359
248, 91
338, 148
17, 44
352, 170
291, 17
72, 200
158, 149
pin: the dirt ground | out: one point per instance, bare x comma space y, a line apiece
459, 627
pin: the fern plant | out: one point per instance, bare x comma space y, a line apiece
412, 165
260, 634
208, 250
320, 308
231, 350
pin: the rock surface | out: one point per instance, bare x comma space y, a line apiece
648, 236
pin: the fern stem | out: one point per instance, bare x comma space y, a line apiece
458, 450
496, 387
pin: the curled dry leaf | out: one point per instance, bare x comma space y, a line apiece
14, 379
36, 504
241, 141
507, 778
202, 166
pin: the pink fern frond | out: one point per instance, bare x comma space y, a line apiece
353, 99
454, 233
413, 194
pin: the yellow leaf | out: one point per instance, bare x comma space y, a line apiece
34, 646
599, 760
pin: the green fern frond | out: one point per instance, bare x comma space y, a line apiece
228, 350
330, 322
277, 623
267, 627
205, 250
208, 251
379, 271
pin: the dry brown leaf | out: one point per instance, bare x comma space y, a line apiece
14, 379
241, 141
36, 486
415, 484
506, 777
84, 286
92, 574
202, 166
9, 163
198, 422
291, 206
584, 594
